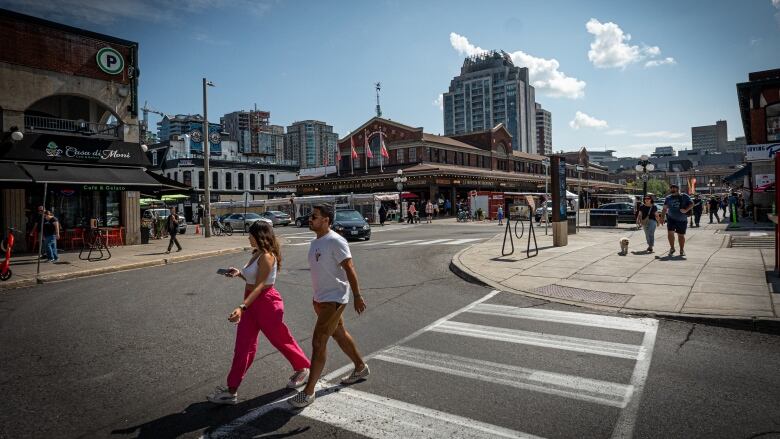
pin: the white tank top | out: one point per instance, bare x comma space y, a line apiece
250, 273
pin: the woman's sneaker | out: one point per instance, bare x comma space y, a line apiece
298, 379
301, 400
356, 375
222, 396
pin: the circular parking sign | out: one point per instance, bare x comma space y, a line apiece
110, 61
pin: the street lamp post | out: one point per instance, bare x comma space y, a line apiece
399, 184
206, 154
579, 169
546, 164
644, 166
711, 185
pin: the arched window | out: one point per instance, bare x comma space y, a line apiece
251, 182
201, 183
271, 179
262, 182
240, 182
187, 176
215, 180
176, 176
228, 181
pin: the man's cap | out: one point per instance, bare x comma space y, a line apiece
673, 185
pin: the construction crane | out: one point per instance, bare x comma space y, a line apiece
148, 110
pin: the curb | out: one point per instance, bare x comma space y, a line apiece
753, 323
117, 268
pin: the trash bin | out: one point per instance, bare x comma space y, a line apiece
571, 220
603, 218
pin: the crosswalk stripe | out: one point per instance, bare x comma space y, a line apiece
610, 349
571, 318
434, 241
406, 242
366, 244
380, 417
462, 241
569, 386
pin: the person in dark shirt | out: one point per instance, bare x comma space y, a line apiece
172, 224
51, 233
647, 218
713, 207
676, 208
698, 208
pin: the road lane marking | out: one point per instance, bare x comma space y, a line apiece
584, 345
366, 244
571, 318
348, 367
569, 386
624, 427
406, 242
462, 241
376, 417
434, 241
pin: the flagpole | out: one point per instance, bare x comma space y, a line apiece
366, 146
352, 154
381, 155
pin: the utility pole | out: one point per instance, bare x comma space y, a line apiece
206, 154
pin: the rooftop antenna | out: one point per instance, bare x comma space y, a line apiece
378, 86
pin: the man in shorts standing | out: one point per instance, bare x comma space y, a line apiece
333, 277
676, 207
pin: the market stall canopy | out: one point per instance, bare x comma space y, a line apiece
166, 186
175, 197
740, 174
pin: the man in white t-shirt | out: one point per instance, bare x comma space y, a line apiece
333, 276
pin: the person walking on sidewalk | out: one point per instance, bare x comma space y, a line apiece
382, 215
713, 209
500, 215
698, 207
429, 211
172, 225
51, 233
261, 310
676, 208
411, 213
333, 277
647, 218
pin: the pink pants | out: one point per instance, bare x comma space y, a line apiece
265, 314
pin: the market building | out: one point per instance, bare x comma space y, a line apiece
447, 167
70, 133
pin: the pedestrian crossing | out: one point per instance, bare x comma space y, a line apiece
500, 357
305, 240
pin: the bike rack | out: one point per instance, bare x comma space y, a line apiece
508, 232
97, 242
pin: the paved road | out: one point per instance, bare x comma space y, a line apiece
132, 354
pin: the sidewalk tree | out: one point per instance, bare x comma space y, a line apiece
657, 187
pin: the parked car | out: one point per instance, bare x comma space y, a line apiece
625, 211
278, 218
240, 222
302, 221
540, 211
163, 213
350, 224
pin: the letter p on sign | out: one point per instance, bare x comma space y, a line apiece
110, 61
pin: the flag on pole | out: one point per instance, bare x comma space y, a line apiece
352, 144
692, 185
338, 159
367, 147
382, 149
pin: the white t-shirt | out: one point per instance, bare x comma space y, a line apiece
327, 277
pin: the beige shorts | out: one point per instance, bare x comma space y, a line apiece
328, 316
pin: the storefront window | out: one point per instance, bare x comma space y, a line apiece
110, 216
187, 178
74, 207
773, 123
240, 181
251, 182
228, 181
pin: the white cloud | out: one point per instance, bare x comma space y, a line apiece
661, 134
755, 41
615, 132
544, 73
776, 3
439, 102
582, 120
610, 48
660, 62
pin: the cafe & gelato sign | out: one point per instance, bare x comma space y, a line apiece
54, 151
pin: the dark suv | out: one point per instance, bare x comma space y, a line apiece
350, 224
625, 211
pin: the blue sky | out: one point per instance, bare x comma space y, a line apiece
624, 75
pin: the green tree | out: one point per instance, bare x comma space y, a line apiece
657, 187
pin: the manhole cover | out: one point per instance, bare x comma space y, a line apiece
582, 295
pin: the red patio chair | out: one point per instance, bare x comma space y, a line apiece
77, 236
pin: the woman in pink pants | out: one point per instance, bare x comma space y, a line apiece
261, 310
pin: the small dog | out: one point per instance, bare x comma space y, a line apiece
624, 246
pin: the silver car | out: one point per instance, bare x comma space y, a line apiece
277, 217
240, 222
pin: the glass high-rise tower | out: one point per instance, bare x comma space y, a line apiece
491, 90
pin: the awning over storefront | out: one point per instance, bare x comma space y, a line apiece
166, 186
117, 178
740, 174
11, 172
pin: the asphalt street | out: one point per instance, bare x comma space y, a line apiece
133, 354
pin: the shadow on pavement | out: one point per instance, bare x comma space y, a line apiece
200, 415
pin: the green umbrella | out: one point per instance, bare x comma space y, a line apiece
174, 197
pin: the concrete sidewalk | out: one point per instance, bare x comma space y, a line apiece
122, 258
711, 281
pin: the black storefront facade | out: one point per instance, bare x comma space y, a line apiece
83, 181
